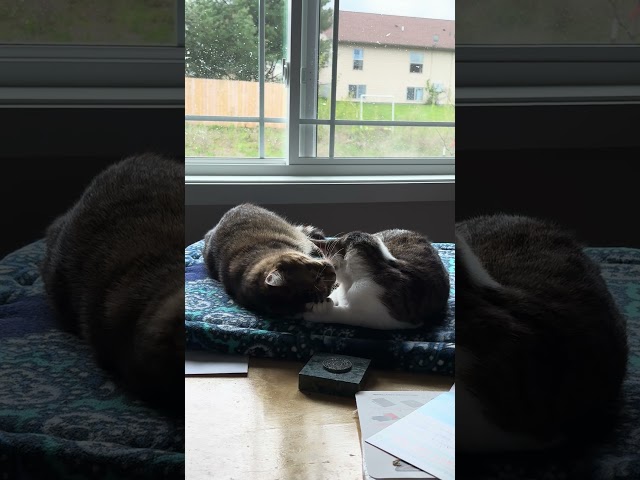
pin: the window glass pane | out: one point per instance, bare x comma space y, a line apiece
221, 97
222, 76
275, 91
275, 39
321, 133
221, 139
411, 93
549, 22
358, 54
416, 94
390, 32
275, 140
88, 22
374, 108
221, 40
233, 139
368, 141
416, 57
325, 60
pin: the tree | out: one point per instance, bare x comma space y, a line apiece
431, 93
221, 38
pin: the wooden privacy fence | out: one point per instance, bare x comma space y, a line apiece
233, 98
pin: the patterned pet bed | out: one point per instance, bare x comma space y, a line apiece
214, 322
617, 457
60, 415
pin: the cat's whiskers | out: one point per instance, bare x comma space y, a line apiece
336, 254
332, 246
321, 271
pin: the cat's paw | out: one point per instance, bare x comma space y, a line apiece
312, 232
316, 311
324, 307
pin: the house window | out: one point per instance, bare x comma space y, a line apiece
416, 61
355, 91
246, 111
358, 58
415, 93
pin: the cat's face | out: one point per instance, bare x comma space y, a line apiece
301, 278
352, 254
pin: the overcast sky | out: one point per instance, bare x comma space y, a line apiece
442, 9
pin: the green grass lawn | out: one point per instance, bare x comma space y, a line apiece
545, 22
212, 140
382, 111
116, 22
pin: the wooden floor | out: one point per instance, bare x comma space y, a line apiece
260, 426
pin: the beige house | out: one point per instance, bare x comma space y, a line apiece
387, 57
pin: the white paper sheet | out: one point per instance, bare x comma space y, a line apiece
207, 363
424, 438
378, 410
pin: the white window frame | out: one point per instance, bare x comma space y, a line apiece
416, 63
511, 75
359, 88
361, 59
300, 162
415, 91
93, 75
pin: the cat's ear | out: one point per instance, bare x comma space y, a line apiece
321, 244
274, 278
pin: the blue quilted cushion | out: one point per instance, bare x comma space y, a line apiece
215, 322
61, 416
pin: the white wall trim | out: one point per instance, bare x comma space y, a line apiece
91, 97
327, 191
366, 168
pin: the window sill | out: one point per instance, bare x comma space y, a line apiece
548, 95
273, 190
91, 97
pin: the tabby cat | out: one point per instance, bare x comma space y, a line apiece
541, 347
267, 264
114, 274
389, 280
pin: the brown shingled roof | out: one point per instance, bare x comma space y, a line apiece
357, 27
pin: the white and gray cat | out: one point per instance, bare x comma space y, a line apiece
393, 279
541, 347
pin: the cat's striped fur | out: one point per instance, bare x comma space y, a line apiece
114, 271
267, 264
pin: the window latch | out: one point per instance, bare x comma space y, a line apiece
285, 71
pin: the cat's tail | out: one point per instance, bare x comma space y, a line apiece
314, 233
